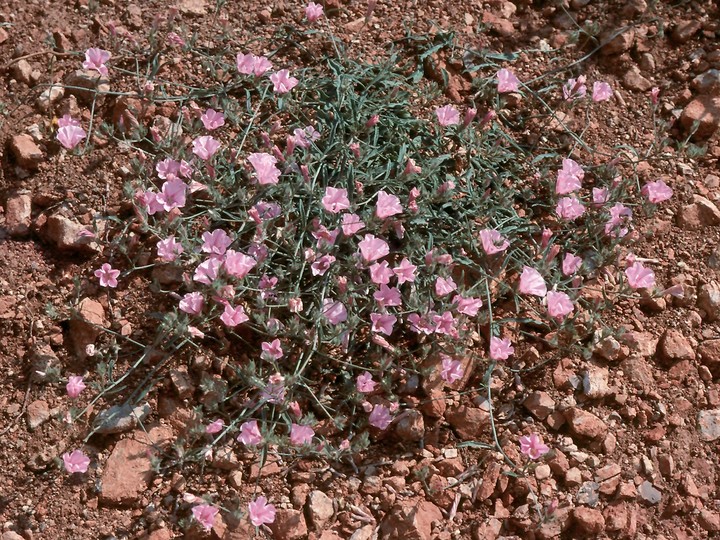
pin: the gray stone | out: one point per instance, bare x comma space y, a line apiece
709, 425
120, 418
649, 493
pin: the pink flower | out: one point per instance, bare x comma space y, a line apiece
175, 40
265, 169
74, 386
559, 304
657, 192
571, 264
569, 178
569, 208
233, 316
601, 91
387, 296
169, 249
70, 136
205, 515
212, 119
283, 82
365, 383
533, 446
261, 512
531, 282
380, 417
305, 137
493, 242
250, 433
445, 324
412, 200
405, 271
238, 264
383, 323
451, 370
216, 242
205, 147
619, 215
192, 303
373, 248
322, 265
334, 311
640, 277
380, 273
600, 196
444, 286
467, 306
173, 194
655, 95
207, 271
67, 120
295, 305
313, 11
500, 349
387, 205
272, 349
335, 200
447, 115
249, 64
574, 89
95, 59
301, 434
411, 168
76, 461
107, 276
215, 427
507, 81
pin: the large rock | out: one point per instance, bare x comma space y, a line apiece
68, 235
86, 85
675, 347
87, 325
705, 110
410, 520
320, 509
289, 525
709, 353
18, 214
585, 424
27, 153
709, 425
128, 470
469, 422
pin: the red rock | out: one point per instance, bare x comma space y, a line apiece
684, 30
709, 520
410, 425
585, 424
410, 520
320, 509
289, 525
709, 352
27, 154
608, 477
588, 520
38, 413
468, 422
18, 214
128, 470
434, 406
705, 110
621, 517
489, 530
540, 405
85, 328
619, 44
67, 234
489, 480
674, 347
709, 425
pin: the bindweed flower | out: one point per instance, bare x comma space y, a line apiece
601, 91
468, 306
380, 417
351, 224
447, 115
250, 433
192, 303
300, 434
619, 216
173, 194
283, 82
215, 427
205, 147
574, 88
305, 137
451, 370
569, 178
272, 349
107, 276
493, 242
335, 200
75, 386
500, 349
169, 249
322, 265
657, 191
313, 11
444, 286
205, 515
66, 120
533, 446
655, 95
559, 304
531, 282
70, 136
95, 58
387, 205
571, 264
387, 296
364, 383
333, 311
215, 242
212, 119
373, 248
507, 81
380, 273
640, 277
249, 64
76, 461
569, 208
383, 322
207, 271
233, 316
238, 264
405, 271
600, 196
261, 512
265, 169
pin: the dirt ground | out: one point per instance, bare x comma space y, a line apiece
634, 430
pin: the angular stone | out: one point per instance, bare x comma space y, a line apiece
86, 326
585, 424
320, 508
197, 8
705, 110
633, 80
469, 422
120, 418
68, 235
709, 425
410, 520
18, 214
649, 493
675, 347
708, 82
709, 300
410, 425
595, 382
289, 525
619, 44
684, 30
38, 412
540, 404
709, 352
27, 153
128, 470
588, 521
86, 85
